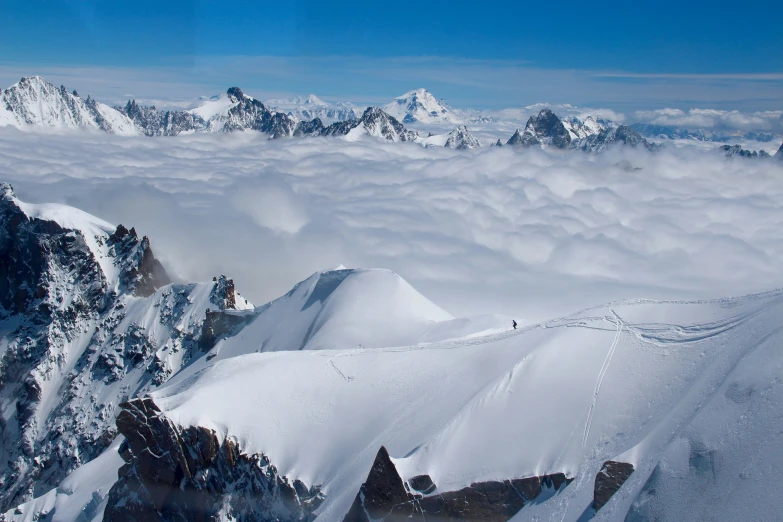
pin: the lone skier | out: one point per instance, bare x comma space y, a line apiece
514, 324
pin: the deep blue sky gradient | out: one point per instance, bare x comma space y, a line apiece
663, 37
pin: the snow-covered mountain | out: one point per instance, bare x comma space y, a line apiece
88, 319
353, 397
421, 106
544, 129
460, 138
590, 135
311, 107
373, 122
779, 153
35, 102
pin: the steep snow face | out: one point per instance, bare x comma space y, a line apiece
215, 108
35, 102
421, 106
653, 384
579, 129
87, 320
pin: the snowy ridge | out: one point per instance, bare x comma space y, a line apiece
633, 382
35, 102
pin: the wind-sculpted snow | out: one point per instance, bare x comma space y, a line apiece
527, 233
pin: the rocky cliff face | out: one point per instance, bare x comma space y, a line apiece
174, 474
88, 318
386, 496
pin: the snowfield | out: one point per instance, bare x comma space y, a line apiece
678, 389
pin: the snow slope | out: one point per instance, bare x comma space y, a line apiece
349, 308
639, 381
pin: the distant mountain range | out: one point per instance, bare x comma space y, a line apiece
35, 102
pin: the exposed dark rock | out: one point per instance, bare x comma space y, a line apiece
779, 153
309, 128
384, 496
737, 150
176, 474
522, 140
498, 143
141, 272
609, 480
422, 484
548, 128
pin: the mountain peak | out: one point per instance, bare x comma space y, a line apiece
420, 105
235, 94
460, 139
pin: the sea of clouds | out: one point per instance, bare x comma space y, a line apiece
531, 234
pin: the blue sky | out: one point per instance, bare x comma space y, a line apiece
492, 54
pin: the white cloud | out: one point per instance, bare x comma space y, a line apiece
713, 119
529, 234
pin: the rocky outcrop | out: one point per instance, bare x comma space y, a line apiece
386, 496
737, 150
779, 153
544, 129
461, 139
140, 272
176, 474
609, 480
522, 140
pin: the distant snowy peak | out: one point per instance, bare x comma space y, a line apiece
421, 106
33, 101
779, 153
310, 107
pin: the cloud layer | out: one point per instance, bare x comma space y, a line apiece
530, 234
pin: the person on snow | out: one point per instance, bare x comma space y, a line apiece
514, 324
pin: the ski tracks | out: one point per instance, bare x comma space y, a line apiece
620, 324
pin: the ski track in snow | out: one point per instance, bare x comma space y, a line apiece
601, 374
